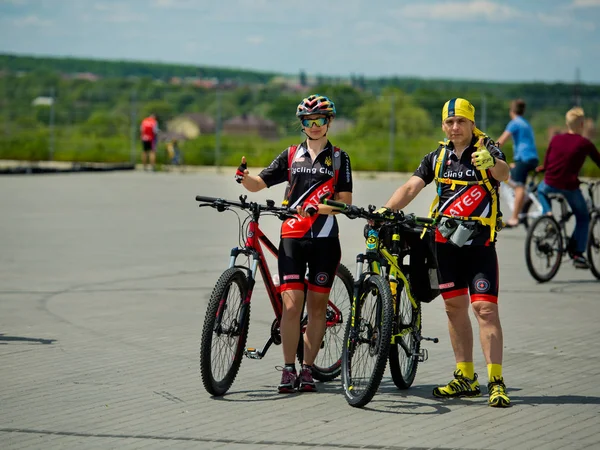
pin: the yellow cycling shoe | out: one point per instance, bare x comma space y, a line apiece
497, 391
461, 386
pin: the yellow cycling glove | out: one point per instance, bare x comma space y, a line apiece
385, 213
484, 159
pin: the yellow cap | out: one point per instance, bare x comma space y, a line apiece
458, 107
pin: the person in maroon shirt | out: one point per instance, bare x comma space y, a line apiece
564, 159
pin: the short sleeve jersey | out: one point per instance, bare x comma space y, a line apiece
524, 142
464, 200
308, 181
564, 159
149, 129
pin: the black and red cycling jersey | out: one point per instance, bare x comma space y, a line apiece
462, 200
308, 181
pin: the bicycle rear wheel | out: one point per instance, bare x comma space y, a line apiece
224, 332
328, 364
367, 341
544, 248
593, 246
404, 353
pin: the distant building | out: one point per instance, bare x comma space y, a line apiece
340, 125
192, 125
251, 125
168, 136
42, 101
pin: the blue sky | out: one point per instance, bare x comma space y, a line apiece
508, 40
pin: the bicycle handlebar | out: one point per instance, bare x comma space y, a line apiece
220, 204
353, 211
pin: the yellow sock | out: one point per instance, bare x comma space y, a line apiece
494, 371
467, 369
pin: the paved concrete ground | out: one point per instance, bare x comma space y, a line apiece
104, 281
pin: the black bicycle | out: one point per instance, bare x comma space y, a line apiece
547, 239
386, 322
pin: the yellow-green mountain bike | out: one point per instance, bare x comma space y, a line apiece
395, 274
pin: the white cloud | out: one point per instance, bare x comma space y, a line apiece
117, 13
465, 11
372, 33
255, 40
178, 4
15, 2
566, 52
565, 21
585, 3
32, 21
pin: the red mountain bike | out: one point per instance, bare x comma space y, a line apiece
227, 319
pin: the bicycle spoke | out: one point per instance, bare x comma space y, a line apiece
594, 246
225, 332
544, 248
367, 343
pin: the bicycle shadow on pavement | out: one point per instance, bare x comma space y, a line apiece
269, 392
4, 340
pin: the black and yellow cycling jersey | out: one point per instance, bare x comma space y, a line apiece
308, 181
463, 191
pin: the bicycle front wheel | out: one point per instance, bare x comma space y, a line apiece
367, 341
224, 332
328, 364
404, 358
544, 248
531, 210
593, 246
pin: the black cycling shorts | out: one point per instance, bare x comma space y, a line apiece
472, 269
148, 146
321, 255
518, 174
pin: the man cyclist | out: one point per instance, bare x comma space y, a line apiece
311, 238
525, 155
563, 161
467, 170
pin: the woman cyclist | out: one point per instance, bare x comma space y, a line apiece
313, 168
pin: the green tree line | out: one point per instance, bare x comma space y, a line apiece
394, 120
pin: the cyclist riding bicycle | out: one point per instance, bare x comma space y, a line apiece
467, 170
311, 239
524, 154
563, 161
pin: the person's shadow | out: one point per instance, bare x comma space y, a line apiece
4, 339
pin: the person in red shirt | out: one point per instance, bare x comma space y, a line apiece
149, 136
564, 159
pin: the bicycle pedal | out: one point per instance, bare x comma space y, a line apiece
252, 353
422, 356
434, 340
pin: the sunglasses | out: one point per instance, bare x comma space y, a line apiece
318, 122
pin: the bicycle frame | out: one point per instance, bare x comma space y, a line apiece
253, 248
382, 262
566, 213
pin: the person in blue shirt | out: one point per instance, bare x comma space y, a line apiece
525, 156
